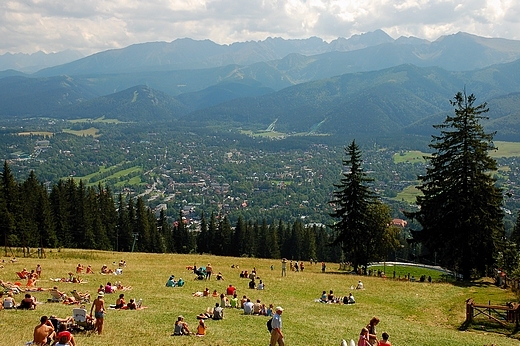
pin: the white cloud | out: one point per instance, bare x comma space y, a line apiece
94, 25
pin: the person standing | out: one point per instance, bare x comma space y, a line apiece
284, 267
276, 333
39, 271
98, 305
209, 270
372, 333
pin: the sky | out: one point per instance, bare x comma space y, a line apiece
89, 26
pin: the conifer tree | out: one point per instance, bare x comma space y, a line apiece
202, 239
352, 202
10, 214
238, 237
142, 227
460, 209
124, 229
515, 234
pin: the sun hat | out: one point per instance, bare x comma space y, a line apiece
279, 308
101, 294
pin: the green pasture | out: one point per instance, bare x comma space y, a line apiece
118, 174
408, 194
506, 149
414, 156
36, 133
92, 131
98, 120
412, 313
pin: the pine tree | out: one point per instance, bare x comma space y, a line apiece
238, 237
515, 234
460, 209
353, 200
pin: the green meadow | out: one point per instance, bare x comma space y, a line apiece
92, 131
413, 313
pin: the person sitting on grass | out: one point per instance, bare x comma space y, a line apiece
64, 337
28, 303
248, 307
44, 332
214, 294
9, 302
252, 283
360, 285
234, 301
206, 292
257, 307
270, 310
384, 341
105, 270
131, 305
261, 285
324, 298
220, 277
218, 312
230, 290
109, 288
120, 302
171, 282
201, 328
224, 301
79, 269
89, 269
181, 327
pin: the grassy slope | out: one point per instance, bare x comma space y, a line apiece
412, 313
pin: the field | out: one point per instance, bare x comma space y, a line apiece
408, 194
92, 131
413, 156
412, 313
116, 173
506, 149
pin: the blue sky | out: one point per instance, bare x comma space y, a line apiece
28, 26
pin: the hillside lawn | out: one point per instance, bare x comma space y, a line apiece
92, 131
412, 313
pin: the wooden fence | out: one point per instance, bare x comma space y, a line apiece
503, 314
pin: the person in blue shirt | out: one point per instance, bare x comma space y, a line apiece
277, 336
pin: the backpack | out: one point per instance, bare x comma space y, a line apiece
270, 325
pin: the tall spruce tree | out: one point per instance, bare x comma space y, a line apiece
460, 209
362, 229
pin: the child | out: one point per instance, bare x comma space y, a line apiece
385, 341
201, 328
363, 338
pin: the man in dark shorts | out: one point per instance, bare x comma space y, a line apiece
98, 305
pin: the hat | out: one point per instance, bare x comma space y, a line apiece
278, 308
180, 317
101, 294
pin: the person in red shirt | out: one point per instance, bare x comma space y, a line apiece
64, 337
230, 290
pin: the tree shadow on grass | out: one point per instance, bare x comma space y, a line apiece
480, 283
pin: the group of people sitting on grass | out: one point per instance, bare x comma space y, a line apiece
330, 298
80, 268
8, 302
123, 305
173, 283
46, 333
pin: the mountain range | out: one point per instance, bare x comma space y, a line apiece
367, 85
